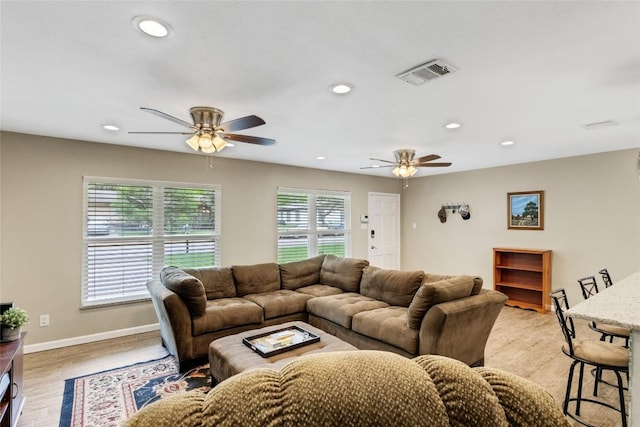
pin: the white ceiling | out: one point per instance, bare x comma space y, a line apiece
534, 72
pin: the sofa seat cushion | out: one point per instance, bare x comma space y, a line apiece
432, 293
226, 313
320, 290
189, 288
256, 279
388, 325
218, 282
280, 303
341, 308
343, 273
391, 286
297, 274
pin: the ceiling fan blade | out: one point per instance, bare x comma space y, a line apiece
159, 133
241, 123
381, 160
433, 165
428, 158
169, 117
376, 167
250, 139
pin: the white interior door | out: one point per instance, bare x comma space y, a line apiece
384, 230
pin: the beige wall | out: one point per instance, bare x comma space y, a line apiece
41, 247
592, 218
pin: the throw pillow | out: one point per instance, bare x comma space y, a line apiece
297, 274
256, 279
477, 285
477, 281
432, 293
190, 289
218, 282
343, 273
391, 286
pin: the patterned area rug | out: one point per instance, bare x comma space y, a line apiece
107, 398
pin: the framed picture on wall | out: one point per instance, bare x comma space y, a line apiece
525, 210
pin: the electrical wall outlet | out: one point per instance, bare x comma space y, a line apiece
44, 320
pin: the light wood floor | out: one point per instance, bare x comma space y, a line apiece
522, 342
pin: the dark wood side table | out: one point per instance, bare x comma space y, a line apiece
12, 399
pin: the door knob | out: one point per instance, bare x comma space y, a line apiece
373, 247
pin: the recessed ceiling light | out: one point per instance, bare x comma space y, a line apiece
452, 125
341, 88
152, 26
111, 127
506, 143
375, 166
320, 158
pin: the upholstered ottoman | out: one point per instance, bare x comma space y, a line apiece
228, 356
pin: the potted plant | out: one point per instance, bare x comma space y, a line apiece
12, 321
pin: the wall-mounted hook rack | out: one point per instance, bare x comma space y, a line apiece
462, 208
453, 207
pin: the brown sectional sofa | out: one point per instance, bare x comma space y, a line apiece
409, 313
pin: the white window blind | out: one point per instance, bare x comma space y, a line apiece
313, 222
133, 229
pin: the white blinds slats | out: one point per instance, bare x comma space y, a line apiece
312, 222
133, 229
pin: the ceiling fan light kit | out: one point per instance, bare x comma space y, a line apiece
205, 143
403, 171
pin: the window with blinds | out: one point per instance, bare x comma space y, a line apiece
313, 222
132, 229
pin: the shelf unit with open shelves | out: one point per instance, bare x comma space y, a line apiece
524, 275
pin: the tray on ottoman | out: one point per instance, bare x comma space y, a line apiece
229, 356
280, 340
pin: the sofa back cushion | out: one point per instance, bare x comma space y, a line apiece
477, 281
189, 288
297, 274
343, 273
218, 282
256, 279
432, 293
391, 286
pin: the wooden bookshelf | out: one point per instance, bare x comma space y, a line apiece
524, 276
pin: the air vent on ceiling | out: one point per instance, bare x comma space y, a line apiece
598, 125
427, 71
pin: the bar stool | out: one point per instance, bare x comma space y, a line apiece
589, 288
600, 355
606, 278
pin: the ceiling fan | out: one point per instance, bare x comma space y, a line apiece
405, 165
207, 133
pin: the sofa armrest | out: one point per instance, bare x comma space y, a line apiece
174, 318
460, 328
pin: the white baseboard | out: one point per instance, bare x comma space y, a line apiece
50, 345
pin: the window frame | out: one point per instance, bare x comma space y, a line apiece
312, 231
158, 237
